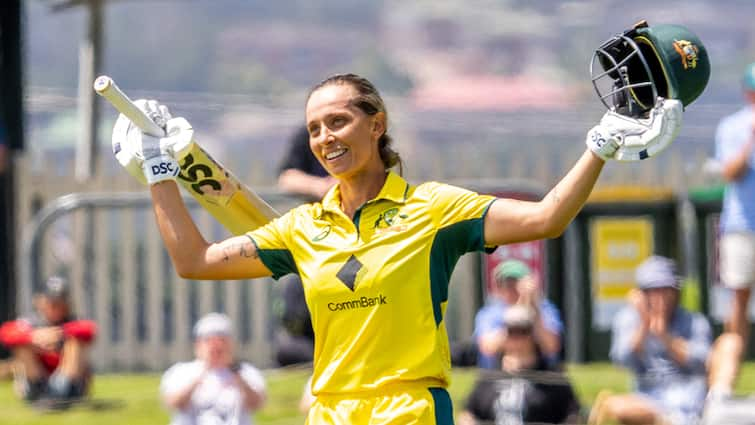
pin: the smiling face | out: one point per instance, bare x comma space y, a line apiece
343, 137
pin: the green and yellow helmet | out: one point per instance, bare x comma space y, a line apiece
646, 62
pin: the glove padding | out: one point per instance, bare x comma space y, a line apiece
148, 158
633, 139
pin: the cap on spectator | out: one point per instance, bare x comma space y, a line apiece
510, 269
213, 324
657, 272
749, 77
518, 316
56, 287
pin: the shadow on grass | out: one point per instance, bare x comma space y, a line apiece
87, 404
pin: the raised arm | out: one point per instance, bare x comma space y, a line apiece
737, 165
297, 181
616, 136
510, 220
194, 257
152, 161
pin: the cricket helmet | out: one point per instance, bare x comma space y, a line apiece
631, 70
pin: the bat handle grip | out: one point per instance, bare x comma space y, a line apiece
106, 87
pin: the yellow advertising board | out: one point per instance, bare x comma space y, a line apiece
618, 246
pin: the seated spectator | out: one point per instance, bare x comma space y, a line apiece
215, 388
664, 346
530, 390
295, 340
515, 284
50, 349
300, 172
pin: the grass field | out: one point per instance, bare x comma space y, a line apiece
133, 399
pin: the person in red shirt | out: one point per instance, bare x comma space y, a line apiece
50, 348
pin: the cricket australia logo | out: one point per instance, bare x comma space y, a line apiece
390, 220
688, 52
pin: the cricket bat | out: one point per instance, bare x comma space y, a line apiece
218, 191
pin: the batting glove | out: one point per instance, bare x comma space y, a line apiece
602, 142
637, 138
148, 158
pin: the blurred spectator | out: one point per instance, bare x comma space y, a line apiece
531, 389
50, 349
295, 340
515, 284
215, 388
300, 172
735, 152
664, 346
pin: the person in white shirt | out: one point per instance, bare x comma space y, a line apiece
215, 388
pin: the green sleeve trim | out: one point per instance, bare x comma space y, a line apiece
450, 243
487, 249
444, 411
278, 261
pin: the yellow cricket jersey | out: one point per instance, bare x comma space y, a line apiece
377, 286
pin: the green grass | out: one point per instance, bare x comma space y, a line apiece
133, 399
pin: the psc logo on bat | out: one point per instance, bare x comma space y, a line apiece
199, 174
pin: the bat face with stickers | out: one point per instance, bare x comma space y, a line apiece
218, 191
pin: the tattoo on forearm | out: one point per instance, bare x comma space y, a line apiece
240, 249
248, 250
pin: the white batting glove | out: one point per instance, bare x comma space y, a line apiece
152, 159
602, 142
637, 138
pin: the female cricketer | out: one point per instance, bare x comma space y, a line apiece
376, 254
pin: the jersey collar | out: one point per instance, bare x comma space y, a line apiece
394, 189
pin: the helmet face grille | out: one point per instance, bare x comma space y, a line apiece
637, 72
621, 75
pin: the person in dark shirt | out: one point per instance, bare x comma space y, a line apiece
50, 348
300, 172
295, 341
528, 388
